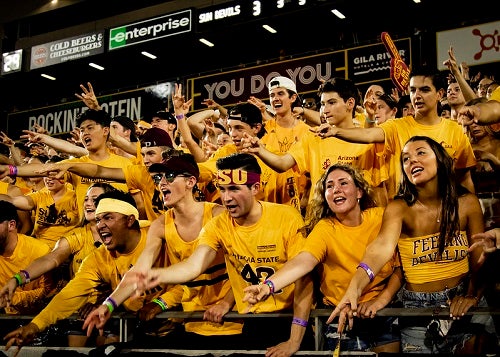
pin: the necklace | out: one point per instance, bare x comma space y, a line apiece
438, 211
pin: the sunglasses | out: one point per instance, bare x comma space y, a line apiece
170, 177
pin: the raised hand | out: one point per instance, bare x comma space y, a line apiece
258, 103
4, 139
40, 129
33, 136
181, 106
250, 144
210, 103
88, 97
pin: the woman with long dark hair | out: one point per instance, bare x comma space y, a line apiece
431, 221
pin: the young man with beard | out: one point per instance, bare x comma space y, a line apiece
123, 237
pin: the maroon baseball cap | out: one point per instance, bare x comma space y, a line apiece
156, 137
184, 163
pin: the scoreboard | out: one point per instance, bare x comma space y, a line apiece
235, 12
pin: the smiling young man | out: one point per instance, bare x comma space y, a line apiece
426, 90
123, 237
257, 238
311, 154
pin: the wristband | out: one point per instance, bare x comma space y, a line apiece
12, 170
271, 286
18, 279
180, 116
300, 322
368, 271
27, 278
111, 304
161, 303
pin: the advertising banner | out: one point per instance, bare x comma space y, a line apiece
148, 30
68, 49
473, 45
362, 64
60, 119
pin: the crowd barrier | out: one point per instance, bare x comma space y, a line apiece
316, 314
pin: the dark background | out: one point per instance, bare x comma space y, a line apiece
301, 30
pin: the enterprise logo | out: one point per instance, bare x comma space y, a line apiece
168, 25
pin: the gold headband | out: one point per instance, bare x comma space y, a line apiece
119, 206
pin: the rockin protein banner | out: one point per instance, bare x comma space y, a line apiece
60, 119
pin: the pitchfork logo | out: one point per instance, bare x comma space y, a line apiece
487, 42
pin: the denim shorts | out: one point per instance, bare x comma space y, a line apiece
431, 335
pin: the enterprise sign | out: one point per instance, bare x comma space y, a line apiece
68, 49
148, 30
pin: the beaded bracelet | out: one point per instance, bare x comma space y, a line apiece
368, 271
27, 278
180, 116
12, 170
271, 286
300, 322
161, 303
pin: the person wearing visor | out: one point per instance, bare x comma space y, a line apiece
257, 238
124, 237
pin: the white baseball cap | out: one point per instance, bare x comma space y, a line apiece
283, 82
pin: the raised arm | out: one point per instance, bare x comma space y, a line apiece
181, 107
82, 169
122, 143
15, 153
452, 65
279, 163
155, 237
56, 143
353, 135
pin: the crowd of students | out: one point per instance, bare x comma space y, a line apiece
356, 205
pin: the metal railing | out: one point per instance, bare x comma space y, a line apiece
316, 316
